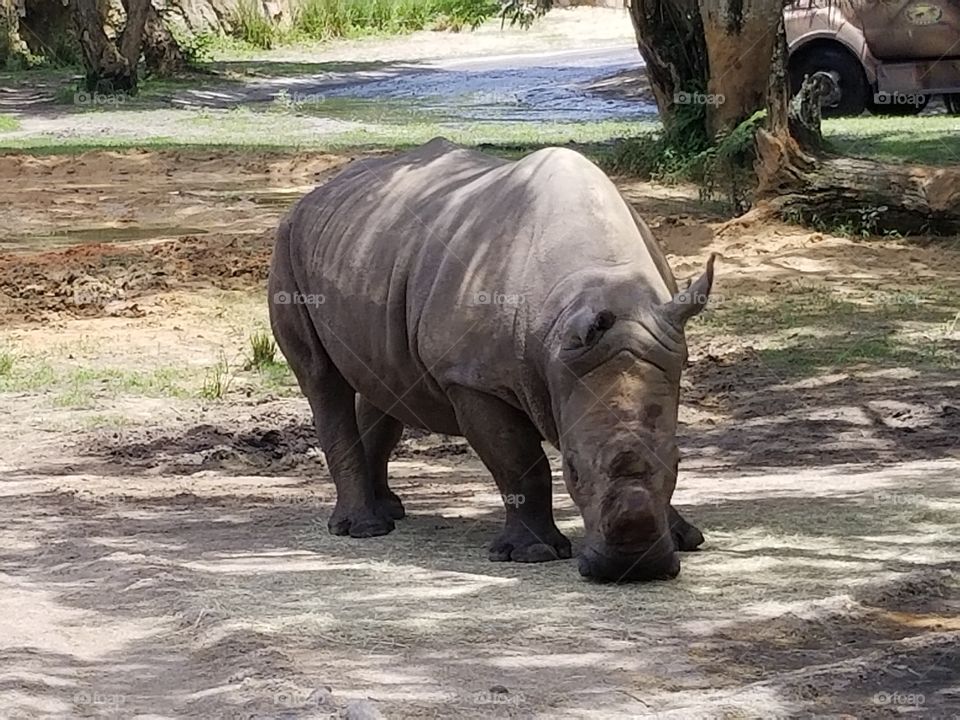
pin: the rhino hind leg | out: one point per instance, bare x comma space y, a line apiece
685, 536
509, 446
380, 434
333, 402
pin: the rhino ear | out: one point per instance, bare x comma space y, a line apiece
586, 328
687, 303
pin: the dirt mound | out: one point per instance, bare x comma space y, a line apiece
209, 447
102, 279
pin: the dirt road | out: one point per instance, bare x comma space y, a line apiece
163, 551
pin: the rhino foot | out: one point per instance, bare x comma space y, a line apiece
392, 506
359, 523
685, 536
524, 545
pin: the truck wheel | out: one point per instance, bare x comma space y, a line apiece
847, 90
952, 102
886, 104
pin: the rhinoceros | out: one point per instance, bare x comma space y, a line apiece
509, 303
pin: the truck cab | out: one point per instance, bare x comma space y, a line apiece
887, 56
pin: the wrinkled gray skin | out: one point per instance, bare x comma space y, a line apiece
507, 302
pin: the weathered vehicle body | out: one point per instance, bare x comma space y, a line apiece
508, 302
889, 56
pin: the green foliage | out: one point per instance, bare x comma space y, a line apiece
524, 12
868, 221
683, 153
319, 20
8, 123
253, 27
197, 49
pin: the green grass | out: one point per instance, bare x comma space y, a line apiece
263, 351
8, 123
805, 329
931, 140
320, 20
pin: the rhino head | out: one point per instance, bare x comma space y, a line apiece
615, 384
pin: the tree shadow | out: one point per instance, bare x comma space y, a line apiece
203, 606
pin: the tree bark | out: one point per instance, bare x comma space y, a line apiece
111, 66
161, 51
671, 40
867, 196
741, 38
131, 37
12, 46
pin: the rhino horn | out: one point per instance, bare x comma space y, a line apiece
687, 303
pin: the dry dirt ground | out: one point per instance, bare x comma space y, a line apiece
163, 551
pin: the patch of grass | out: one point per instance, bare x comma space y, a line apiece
8, 123
279, 379
7, 362
805, 329
925, 139
263, 351
243, 130
722, 168
217, 380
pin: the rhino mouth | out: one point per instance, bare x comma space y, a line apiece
601, 563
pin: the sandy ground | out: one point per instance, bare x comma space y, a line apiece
163, 552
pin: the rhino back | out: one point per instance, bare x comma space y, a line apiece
446, 266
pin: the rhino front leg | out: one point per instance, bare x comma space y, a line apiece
685, 536
509, 445
380, 433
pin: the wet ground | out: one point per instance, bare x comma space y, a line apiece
554, 74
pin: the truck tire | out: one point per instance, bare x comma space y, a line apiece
952, 102
851, 91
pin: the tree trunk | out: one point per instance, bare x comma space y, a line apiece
671, 40
161, 52
111, 67
865, 196
741, 39
12, 48
107, 70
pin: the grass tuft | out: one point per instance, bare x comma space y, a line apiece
263, 351
217, 380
